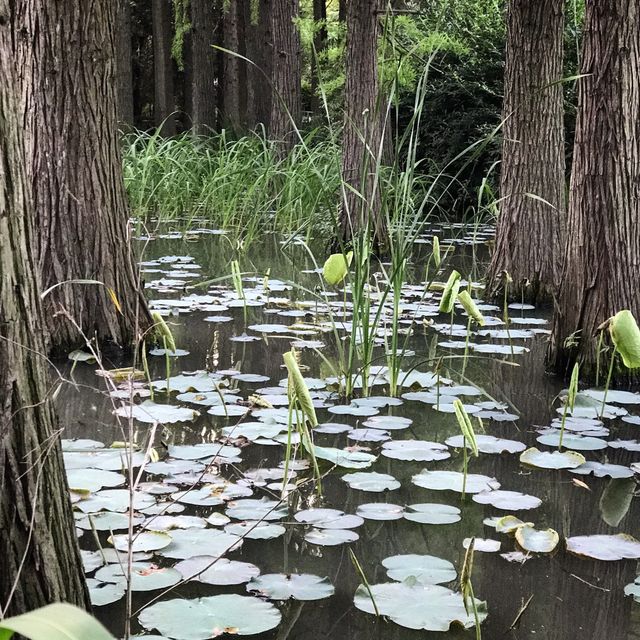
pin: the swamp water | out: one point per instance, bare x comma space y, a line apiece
290, 572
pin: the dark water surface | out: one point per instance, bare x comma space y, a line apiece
569, 597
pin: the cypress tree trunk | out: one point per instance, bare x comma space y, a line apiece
231, 73
260, 50
164, 99
204, 27
124, 68
286, 100
36, 523
603, 234
319, 45
362, 135
530, 231
65, 52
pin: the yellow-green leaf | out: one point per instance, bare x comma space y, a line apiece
465, 425
435, 251
626, 337
336, 267
296, 380
163, 331
470, 307
450, 292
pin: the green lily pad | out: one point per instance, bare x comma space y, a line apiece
150, 412
328, 518
106, 521
255, 530
380, 511
508, 500
278, 586
372, 482
187, 543
572, 441
263, 509
416, 606
346, 459
432, 513
537, 540
142, 541
204, 618
509, 524
93, 479
104, 593
217, 571
330, 537
600, 470
417, 450
605, 547
552, 459
453, 481
144, 576
424, 569
488, 444
633, 589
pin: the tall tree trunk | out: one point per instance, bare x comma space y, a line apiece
603, 235
164, 99
65, 52
286, 100
362, 135
204, 25
231, 73
530, 231
342, 10
40, 558
124, 67
260, 52
319, 46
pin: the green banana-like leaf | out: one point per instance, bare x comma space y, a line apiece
465, 425
435, 251
300, 389
470, 307
336, 267
59, 621
573, 386
163, 331
626, 337
450, 292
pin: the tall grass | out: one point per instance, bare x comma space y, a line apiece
236, 184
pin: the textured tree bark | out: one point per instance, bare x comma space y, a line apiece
530, 229
40, 558
319, 45
124, 68
286, 99
231, 73
603, 234
65, 54
204, 30
164, 99
260, 51
362, 135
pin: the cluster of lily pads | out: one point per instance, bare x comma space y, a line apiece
195, 505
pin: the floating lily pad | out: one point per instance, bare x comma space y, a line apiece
330, 537
114, 500
150, 412
144, 576
142, 541
453, 481
346, 459
278, 586
255, 530
217, 571
187, 543
418, 450
104, 593
388, 423
369, 435
552, 459
209, 617
508, 500
106, 521
488, 444
612, 395
432, 513
372, 482
417, 606
572, 441
633, 589
263, 509
600, 470
328, 519
166, 523
509, 524
424, 569
537, 540
605, 547
485, 545
91, 560
380, 511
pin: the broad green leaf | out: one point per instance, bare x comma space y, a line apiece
336, 267
450, 292
163, 331
465, 425
57, 621
626, 337
470, 307
435, 251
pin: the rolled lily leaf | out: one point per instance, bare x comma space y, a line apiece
336, 267
435, 251
296, 380
465, 425
470, 307
450, 292
626, 337
163, 331
573, 386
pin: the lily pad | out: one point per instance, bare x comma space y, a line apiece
432, 513
151, 412
537, 540
488, 444
187, 543
453, 481
263, 509
380, 511
600, 470
508, 500
418, 450
255, 530
424, 569
145, 576
217, 571
372, 482
605, 547
346, 459
141, 541
328, 519
278, 586
417, 606
572, 441
204, 618
104, 593
330, 537
552, 459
